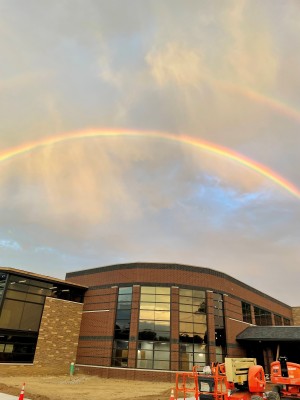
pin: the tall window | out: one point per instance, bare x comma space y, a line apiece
154, 328
277, 319
286, 321
262, 317
246, 310
220, 334
192, 329
122, 327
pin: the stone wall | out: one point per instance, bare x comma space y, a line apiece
296, 315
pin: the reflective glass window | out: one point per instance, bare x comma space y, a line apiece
11, 314
125, 290
12, 294
162, 290
146, 325
192, 328
162, 315
246, 310
220, 333
147, 298
123, 315
153, 355
192, 354
120, 353
15, 348
145, 314
31, 317
262, 317
148, 289
154, 328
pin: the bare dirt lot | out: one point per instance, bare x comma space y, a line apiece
84, 387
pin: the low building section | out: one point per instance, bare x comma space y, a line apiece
40, 320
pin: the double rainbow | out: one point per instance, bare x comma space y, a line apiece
189, 140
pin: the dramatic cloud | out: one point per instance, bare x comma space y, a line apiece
225, 72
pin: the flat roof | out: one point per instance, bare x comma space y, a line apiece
46, 278
270, 334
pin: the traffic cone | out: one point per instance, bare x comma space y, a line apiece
21, 397
172, 395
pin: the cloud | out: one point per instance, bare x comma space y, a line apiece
171, 66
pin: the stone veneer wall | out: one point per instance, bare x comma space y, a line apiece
57, 341
296, 315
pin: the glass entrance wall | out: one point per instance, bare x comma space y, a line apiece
153, 355
154, 328
192, 329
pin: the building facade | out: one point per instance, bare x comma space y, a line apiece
148, 320
138, 321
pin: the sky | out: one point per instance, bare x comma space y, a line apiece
152, 131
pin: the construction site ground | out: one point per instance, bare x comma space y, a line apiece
84, 387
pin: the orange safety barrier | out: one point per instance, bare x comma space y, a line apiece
186, 382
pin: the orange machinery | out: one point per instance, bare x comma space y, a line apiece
286, 377
237, 379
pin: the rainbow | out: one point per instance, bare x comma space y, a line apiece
260, 98
189, 140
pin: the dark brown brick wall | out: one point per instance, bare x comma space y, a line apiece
177, 276
130, 374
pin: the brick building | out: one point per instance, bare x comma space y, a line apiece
138, 321
145, 320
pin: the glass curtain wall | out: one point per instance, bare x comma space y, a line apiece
122, 328
23, 304
262, 317
154, 328
192, 329
220, 334
20, 317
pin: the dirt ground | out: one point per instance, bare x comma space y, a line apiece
84, 387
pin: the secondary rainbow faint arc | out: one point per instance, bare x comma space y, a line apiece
274, 104
199, 143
